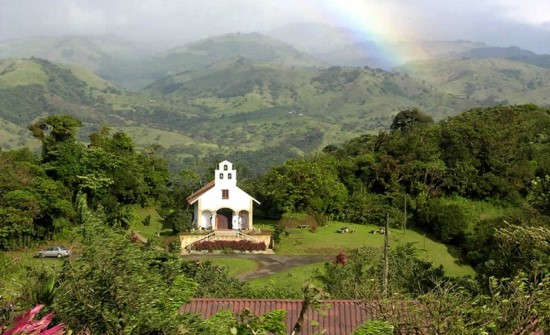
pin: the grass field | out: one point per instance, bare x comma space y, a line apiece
234, 266
326, 241
293, 279
16, 267
153, 229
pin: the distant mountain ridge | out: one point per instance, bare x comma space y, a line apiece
252, 96
340, 46
135, 66
484, 80
511, 53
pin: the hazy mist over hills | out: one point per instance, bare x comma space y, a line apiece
171, 23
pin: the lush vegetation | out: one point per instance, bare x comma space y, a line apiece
477, 182
246, 96
467, 198
496, 155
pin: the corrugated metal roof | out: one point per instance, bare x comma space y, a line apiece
339, 317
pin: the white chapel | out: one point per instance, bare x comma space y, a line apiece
220, 204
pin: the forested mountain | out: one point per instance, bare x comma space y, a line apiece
296, 110
235, 107
247, 97
31, 88
487, 81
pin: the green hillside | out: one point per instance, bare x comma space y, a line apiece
109, 56
257, 111
33, 87
253, 46
195, 58
295, 110
238, 109
486, 81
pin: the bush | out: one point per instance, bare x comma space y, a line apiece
241, 245
321, 219
375, 328
446, 221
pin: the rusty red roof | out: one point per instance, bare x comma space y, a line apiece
340, 317
191, 199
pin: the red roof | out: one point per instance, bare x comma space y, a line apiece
191, 199
341, 317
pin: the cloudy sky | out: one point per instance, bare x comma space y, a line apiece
524, 23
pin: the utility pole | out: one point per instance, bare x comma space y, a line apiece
386, 247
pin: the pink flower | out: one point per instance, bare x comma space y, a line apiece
25, 324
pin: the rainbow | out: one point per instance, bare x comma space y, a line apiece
370, 20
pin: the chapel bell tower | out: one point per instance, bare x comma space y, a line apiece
225, 175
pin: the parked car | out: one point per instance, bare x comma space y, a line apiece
55, 251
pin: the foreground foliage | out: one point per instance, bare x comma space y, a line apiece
116, 287
25, 324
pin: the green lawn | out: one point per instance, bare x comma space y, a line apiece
234, 266
16, 265
293, 279
139, 214
326, 241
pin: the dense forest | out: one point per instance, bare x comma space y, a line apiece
438, 171
421, 175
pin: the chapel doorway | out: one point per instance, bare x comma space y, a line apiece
224, 219
243, 220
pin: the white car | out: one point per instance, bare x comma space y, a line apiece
55, 251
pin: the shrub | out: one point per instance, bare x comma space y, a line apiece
147, 221
375, 328
241, 245
320, 218
446, 221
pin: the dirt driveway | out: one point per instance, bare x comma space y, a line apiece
271, 264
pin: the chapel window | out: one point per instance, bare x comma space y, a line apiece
225, 167
221, 175
225, 194
229, 176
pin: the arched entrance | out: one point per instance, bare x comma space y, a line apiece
224, 219
243, 220
207, 219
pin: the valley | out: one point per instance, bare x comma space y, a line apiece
248, 97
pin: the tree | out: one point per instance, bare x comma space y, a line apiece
313, 297
539, 194
407, 119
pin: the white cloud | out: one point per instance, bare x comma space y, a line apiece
535, 12
503, 22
